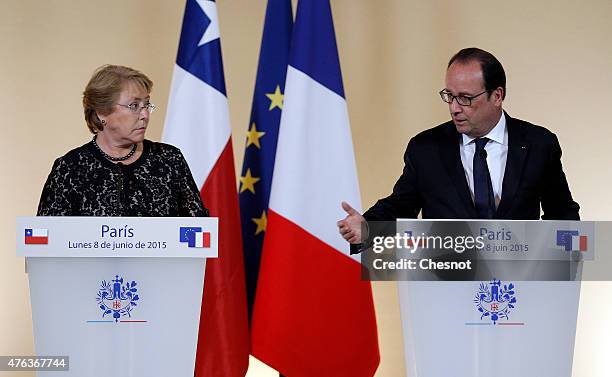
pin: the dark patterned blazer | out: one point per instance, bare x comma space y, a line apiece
84, 183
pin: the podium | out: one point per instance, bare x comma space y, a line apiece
513, 314
445, 336
120, 296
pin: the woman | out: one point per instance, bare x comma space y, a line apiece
119, 172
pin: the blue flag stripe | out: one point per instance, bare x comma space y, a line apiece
314, 51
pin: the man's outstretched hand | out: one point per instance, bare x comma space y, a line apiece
350, 226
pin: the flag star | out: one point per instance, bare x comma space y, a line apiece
262, 222
212, 30
248, 182
253, 136
276, 99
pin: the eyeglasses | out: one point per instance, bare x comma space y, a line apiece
136, 108
461, 99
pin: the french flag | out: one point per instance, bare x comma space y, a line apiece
36, 236
313, 314
201, 239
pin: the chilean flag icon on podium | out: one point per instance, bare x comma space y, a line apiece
35, 236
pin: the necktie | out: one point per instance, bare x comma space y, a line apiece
483, 190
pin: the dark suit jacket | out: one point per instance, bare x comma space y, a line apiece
433, 180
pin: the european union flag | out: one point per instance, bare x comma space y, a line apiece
187, 234
564, 238
262, 136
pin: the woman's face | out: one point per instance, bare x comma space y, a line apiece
125, 126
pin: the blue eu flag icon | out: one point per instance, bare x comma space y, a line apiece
187, 234
564, 238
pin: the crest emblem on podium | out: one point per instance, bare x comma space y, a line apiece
116, 298
495, 300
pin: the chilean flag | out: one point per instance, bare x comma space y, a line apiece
313, 315
36, 236
198, 123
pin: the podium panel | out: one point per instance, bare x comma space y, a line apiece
158, 337
131, 309
444, 334
505, 306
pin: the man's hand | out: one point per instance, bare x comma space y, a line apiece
350, 226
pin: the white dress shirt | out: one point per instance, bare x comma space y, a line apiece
497, 154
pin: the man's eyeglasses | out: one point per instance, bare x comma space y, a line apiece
462, 100
136, 108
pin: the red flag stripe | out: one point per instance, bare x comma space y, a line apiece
33, 240
313, 273
223, 346
583, 243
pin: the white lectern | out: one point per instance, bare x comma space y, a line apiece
120, 296
513, 326
445, 336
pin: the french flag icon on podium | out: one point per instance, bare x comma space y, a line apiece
572, 240
36, 236
195, 237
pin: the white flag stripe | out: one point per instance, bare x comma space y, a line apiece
199, 239
201, 134
40, 232
315, 164
575, 242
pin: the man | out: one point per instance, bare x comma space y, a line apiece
482, 164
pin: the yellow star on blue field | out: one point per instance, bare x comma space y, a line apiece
248, 182
276, 99
262, 222
253, 136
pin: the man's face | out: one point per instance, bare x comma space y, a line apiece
466, 79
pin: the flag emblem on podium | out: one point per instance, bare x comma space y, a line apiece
194, 237
572, 240
36, 236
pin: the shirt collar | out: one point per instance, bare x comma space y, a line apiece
496, 134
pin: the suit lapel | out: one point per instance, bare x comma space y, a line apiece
449, 152
518, 147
